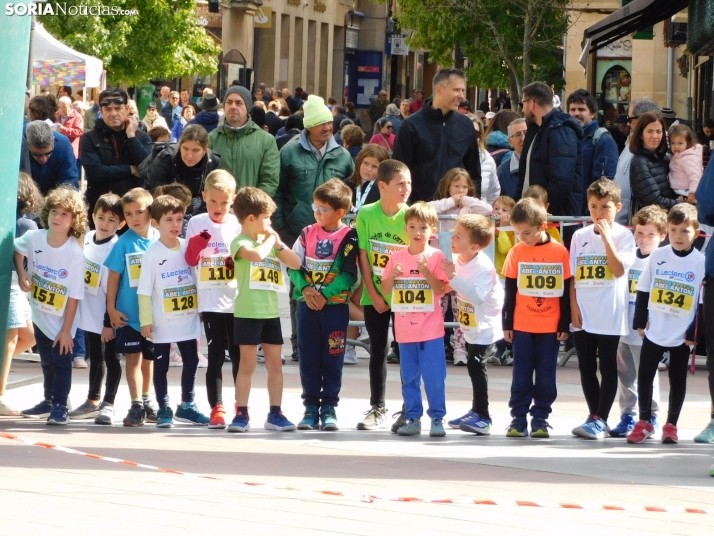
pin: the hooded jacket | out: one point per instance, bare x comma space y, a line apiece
685, 169
649, 180
208, 120
498, 146
556, 162
431, 143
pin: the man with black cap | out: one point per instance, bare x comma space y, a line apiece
248, 152
620, 132
208, 116
464, 107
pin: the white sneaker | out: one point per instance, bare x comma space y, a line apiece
175, 360
202, 361
106, 414
261, 354
6, 410
459, 357
363, 335
79, 362
350, 355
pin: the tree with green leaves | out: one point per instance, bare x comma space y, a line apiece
509, 43
162, 41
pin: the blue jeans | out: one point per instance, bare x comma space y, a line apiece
321, 346
189, 355
423, 360
534, 352
56, 369
80, 347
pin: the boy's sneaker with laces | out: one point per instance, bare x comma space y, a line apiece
151, 409
40, 411
401, 421
261, 354
218, 417
706, 435
476, 424
136, 415
79, 362
374, 419
539, 428
58, 415
166, 418
437, 428
189, 413
350, 356
624, 427
6, 410
455, 423
640, 432
86, 411
240, 423
577, 431
311, 419
669, 434
106, 414
518, 427
278, 422
328, 417
594, 428
411, 427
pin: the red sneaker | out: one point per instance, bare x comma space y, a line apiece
669, 433
218, 417
642, 431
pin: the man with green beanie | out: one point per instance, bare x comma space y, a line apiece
306, 163
247, 151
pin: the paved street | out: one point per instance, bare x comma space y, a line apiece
54, 492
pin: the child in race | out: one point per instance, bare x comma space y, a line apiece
505, 240
323, 285
259, 254
650, 229
168, 310
108, 218
19, 336
210, 236
415, 278
478, 310
365, 175
600, 256
124, 264
685, 166
381, 233
536, 316
540, 194
55, 264
668, 297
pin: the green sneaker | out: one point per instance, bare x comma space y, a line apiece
539, 428
706, 435
165, 417
518, 427
412, 427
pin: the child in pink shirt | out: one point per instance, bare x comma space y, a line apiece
416, 279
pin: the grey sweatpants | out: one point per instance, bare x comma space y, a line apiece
628, 363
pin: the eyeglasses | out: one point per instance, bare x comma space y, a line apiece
107, 102
388, 127
517, 135
523, 101
321, 210
633, 118
40, 155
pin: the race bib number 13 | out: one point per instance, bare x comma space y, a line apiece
412, 296
92, 272
267, 275
380, 253
540, 279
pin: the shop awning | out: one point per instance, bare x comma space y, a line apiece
635, 16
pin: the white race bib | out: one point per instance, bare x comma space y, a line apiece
412, 295
212, 273
267, 275
179, 302
593, 271
92, 276
671, 297
466, 316
48, 296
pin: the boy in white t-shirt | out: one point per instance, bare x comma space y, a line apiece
478, 310
108, 217
600, 255
668, 297
168, 310
55, 265
650, 229
209, 241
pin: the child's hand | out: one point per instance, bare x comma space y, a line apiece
64, 339
690, 343
691, 198
576, 317
447, 288
602, 227
508, 335
309, 294
563, 335
380, 305
147, 331
117, 318
505, 220
641, 332
448, 268
397, 271
107, 334
320, 301
423, 267
25, 282
457, 199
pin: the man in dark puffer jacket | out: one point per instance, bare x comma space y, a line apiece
552, 157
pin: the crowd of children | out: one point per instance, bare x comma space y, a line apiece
137, 291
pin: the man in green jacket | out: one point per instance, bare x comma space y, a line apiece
247, 151
306, 163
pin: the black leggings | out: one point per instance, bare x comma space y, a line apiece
479, 378
99, 361
650, 356
219, 334
598, 395
709, 332
377, 325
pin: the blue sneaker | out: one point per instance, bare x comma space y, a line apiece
578, 429
624, 427
165, 417
310, 420
476, 424
539, 428
328, 418
410, 428
594, 428
437, 428
241, 423
518, 427
455, 423
58, 415
278, 422
40, 411
190, 414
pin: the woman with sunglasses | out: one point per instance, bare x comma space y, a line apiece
384, 135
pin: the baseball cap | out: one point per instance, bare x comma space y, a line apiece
622, 119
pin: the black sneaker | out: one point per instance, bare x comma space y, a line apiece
294, 355
401, 421
136, 415
151, 410
449, 352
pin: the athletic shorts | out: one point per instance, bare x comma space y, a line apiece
19, 312
130, 341
254, 331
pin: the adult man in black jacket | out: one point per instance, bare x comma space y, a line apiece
112, 151
437, 138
